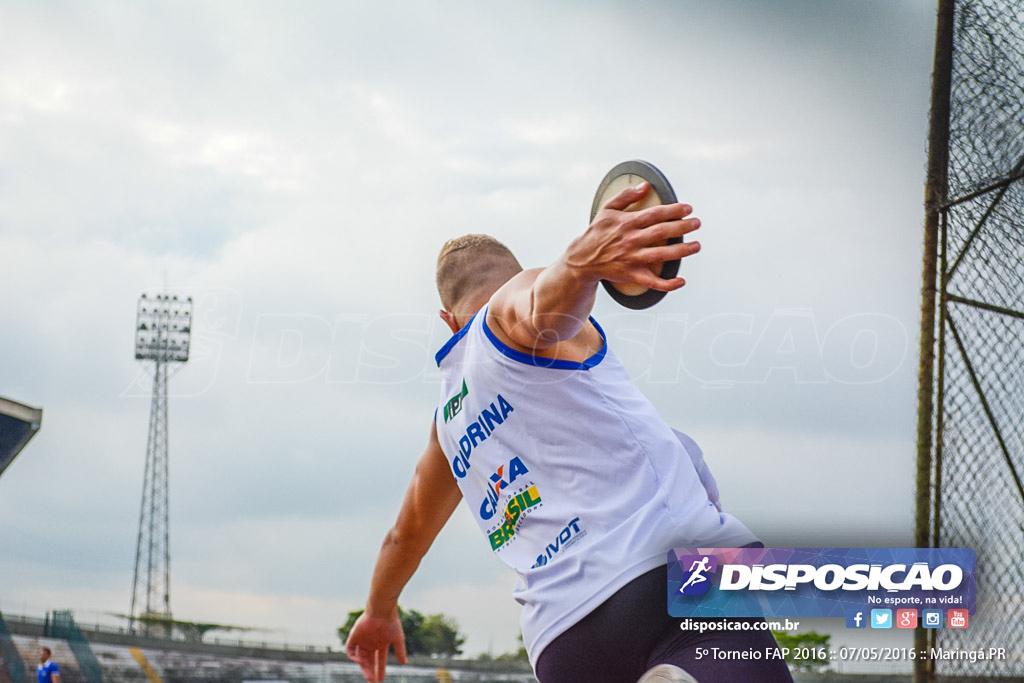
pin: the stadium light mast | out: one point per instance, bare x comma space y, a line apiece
162, 334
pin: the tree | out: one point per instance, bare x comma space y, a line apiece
412, 626
804, 651
346, 628
518, 656
440, 635
434, 634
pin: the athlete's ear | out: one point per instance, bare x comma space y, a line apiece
449, 318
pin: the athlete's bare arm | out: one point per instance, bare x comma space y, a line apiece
431, 498
540, 308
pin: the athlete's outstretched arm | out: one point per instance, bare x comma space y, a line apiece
431, 498
539, 308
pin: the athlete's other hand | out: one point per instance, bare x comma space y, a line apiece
368, 642
628, 246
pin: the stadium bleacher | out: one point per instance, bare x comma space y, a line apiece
128, 664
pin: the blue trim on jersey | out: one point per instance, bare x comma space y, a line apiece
554, 363
454, 340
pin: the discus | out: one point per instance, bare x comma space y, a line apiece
630, 174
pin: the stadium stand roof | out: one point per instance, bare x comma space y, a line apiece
18, 424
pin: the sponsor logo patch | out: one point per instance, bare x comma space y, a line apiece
489, 419
505, 476
566, 537
454, 405
516, 507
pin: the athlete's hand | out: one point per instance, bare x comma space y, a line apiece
368, 642
628, 246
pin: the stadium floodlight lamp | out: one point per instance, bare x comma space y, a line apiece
163, 328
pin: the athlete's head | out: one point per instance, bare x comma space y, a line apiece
469, 270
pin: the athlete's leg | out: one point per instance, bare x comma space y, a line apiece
612, 644
609, 645
631, 632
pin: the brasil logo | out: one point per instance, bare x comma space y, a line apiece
516, 508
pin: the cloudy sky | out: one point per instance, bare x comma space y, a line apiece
294, 167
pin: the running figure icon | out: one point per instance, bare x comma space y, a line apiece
697, 570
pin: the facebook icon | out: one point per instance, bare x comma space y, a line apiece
856, 619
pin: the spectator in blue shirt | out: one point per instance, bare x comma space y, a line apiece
47, 671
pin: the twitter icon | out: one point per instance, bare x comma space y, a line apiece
881, 618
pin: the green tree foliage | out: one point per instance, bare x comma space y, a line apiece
441, 635
517, 657
346, 628
804, 651
433, 634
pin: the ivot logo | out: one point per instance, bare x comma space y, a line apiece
567, 537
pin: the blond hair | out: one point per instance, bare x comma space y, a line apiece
468, 264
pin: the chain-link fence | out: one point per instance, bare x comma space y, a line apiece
977, 464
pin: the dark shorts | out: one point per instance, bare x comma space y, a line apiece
631, 632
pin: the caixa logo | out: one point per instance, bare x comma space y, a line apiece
499, 480
696, 580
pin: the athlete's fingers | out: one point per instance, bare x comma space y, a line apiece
668, 252
400, 651
659, 214
623, 199
670, 229
662, 285
378, 664
642, 275
365, 664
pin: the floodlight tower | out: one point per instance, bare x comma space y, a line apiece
162, 334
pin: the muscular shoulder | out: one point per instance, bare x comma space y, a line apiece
508, 315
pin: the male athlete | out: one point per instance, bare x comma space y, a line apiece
573, 477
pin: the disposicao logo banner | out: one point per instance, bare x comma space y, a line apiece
816, 582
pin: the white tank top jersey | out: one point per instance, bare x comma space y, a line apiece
574, 478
